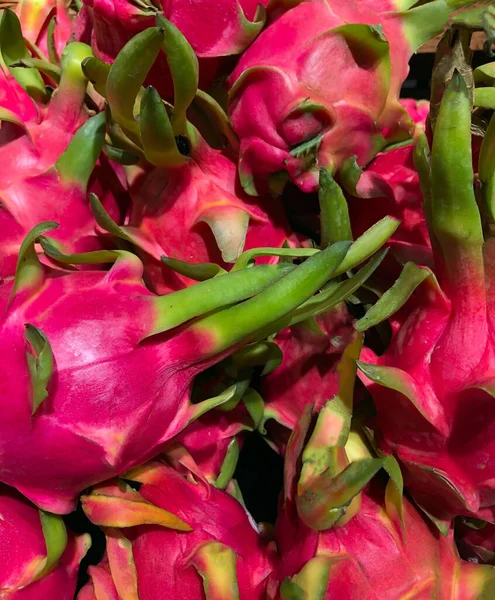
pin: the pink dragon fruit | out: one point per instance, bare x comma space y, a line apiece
233, 24
433, 388
39, 559
196, 212
47, 133
46, 24
58, 193
187, 201
349, 562
68, 336
305, 116
45, 172
308, 374
178, 537
391, 183
337, 534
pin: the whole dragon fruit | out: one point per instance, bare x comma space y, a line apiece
306, 116
46, 23
338, 532
389, 185
71, 339
228, 28
178, 537
433, 387
187, 204
39, 559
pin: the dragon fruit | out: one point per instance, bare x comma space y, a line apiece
39, 558
339, 530
58, 193
47, 132
178, 537
233, 24
433, 387
390, 185
348, 562
45, 172
75, 335
187, 203
305, 116
46, 24
197, 213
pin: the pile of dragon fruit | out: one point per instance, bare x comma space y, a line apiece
221, 221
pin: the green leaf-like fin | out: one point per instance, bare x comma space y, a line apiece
13, 50
53, 56
394, 492
196, 271
367, 244
310, 583
55, 535
29, 273
330, 297
289, 590
40, 364
157, 135
425, 22
212, 294
54, 72
97, 72
335, 222
216, 563
334, 493
264, 353
183, 66
229, 465
249, 256
242, 321
76, 164
127, 75
393, 299
217, 116
456, 221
